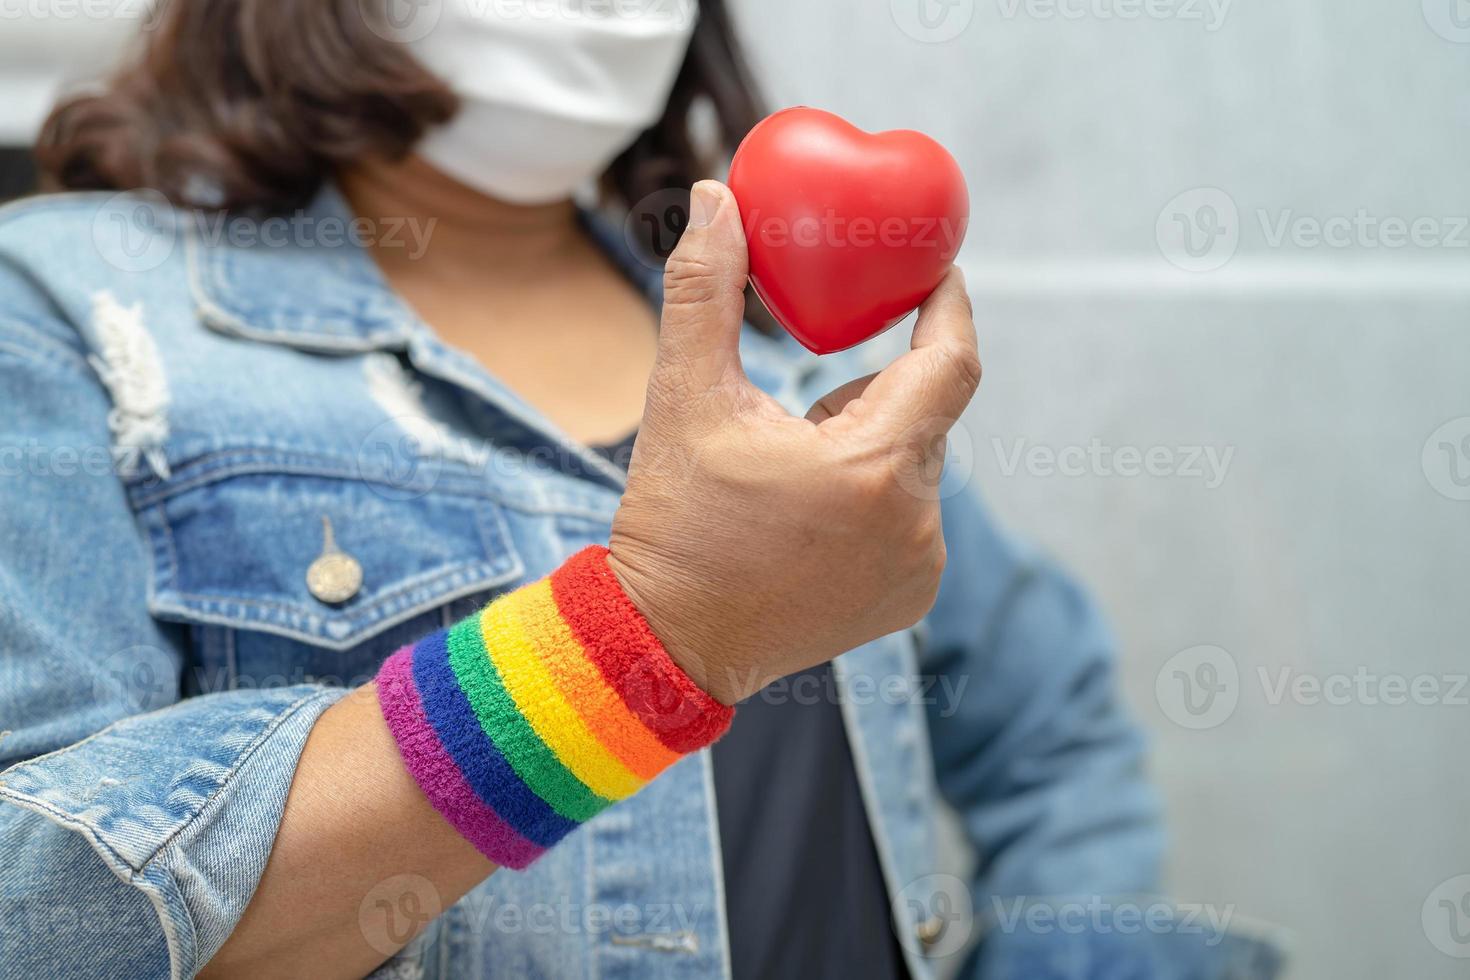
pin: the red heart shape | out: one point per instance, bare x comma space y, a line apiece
848, 231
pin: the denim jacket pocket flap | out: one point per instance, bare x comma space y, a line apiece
323, 560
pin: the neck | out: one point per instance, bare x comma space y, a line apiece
456, 225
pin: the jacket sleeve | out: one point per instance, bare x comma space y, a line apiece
1038, 757
1047, 773
134, 827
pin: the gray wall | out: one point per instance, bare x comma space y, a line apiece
1334, 545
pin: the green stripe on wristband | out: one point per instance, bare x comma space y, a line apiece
503, 723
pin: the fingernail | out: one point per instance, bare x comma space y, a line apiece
704, 202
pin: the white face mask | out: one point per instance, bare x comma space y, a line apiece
551, 90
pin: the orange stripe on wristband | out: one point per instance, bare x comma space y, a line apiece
582, 683
620, 642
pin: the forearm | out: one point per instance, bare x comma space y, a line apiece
481, 745
356, 825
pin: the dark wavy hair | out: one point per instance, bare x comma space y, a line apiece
249, 105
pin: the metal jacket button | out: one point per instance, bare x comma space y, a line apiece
335, 576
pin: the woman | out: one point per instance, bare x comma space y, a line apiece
372, 367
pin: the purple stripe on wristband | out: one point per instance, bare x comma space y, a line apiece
437, 775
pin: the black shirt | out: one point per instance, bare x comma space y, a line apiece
804, 891
803, 888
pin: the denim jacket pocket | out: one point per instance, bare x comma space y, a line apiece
298, 572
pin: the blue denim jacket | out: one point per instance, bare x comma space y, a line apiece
192, 413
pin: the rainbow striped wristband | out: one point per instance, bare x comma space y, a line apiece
525, 720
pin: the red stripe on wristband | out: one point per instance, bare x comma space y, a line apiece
634, 663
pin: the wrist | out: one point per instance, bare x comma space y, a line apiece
656, 605
527, 719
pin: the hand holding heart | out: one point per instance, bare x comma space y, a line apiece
756, 543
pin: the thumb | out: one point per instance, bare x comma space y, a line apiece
704, 288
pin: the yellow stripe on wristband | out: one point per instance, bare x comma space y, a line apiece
603, 709
545, 707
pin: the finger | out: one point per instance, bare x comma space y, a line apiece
947, 316
704, 288
833, 402
928, 388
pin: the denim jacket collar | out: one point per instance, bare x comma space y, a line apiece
239, 270
236, 271
306, 283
